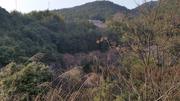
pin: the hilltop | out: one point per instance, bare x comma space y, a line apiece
97, 10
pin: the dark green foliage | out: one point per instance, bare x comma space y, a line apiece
142, 60
49, 20
4, 18
18, 79
24, 35
98, 10
144, 8
81, 38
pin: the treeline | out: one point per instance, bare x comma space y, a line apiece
98, 10
143, 66
23, 35
61, 31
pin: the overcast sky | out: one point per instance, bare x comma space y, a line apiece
26, 6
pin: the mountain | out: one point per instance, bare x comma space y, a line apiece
145, 7
23, 35
44, 58
97, 10
4, 18
3, 14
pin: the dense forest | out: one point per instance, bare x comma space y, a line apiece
62, 55
23, 35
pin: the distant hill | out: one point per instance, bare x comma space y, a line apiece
4, 18
146, 6
3, 13
23, 35
98, 10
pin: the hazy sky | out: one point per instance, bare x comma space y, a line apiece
30, 5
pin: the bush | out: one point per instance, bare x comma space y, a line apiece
21, 81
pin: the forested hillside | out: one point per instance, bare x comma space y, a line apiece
23, 35
144, 7
60, 55
98, 10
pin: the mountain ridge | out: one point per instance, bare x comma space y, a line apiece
97, 10
100, 10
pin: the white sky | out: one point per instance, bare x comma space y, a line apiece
26, 6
